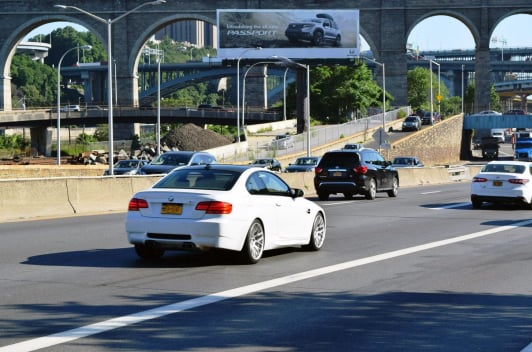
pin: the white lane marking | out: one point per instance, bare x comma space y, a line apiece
450, 206
123, 321
431, 192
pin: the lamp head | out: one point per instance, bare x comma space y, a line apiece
86, 47
61, 6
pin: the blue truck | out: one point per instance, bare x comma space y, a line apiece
523, 149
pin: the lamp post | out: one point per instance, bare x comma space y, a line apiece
160, 56
431, 90
462, 88
109, 22
503, 43
307, 102
238, 91
383, 97
84, 47
284, 94
244, 86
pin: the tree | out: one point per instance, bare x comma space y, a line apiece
35, 83
338, 91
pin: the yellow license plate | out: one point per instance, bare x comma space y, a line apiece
171, 208
497, 183
337, 173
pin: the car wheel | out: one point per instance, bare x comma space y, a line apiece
372, 190
254, 244
148, 252
323, 195
477, 204
338, 41
317, 236
395, 188
317, 38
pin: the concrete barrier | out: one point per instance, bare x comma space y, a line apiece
23, 199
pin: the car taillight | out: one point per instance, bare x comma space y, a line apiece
215, 207
361, 169
318, 170
480, 179
135, 204
519, 181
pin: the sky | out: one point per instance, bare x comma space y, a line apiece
434, 33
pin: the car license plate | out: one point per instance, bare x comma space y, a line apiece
497, 183
171, 208
337, 174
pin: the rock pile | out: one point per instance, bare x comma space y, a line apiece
193, 137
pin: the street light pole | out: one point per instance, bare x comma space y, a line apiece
383, 97
109, 22
238, 91
431, 90
307, 102
462, 88
84, 47
244, 86
160, 56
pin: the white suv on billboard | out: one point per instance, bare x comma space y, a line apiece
316, 30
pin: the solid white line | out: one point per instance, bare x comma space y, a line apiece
120, 322
431, 192
457, 205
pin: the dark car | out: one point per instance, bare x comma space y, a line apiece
406, 161
427, 120
268, 163
303, 164
411, 123
316, 30
127, 167
355, 172
168, 161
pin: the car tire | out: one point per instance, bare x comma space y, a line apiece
323, 195
395, 188
477, 204
372, 190
338, 41
317, 236
148, 252
317, 38
254, 243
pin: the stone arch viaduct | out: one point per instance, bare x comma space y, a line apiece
385, 24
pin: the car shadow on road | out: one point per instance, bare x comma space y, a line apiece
127, 258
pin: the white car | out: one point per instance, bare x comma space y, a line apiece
233, 207
503, 182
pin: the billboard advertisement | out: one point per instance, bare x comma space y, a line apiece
295, 34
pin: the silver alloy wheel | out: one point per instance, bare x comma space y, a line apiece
254, 245
317, 237
372, 190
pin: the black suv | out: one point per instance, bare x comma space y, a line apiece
353, 172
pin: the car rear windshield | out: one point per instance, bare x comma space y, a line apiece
340, 160
171, 159
222, 180
509, 168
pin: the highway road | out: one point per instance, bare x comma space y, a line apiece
421, 272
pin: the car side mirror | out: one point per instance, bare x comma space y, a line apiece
296, 192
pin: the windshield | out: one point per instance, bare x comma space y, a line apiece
126, 164
509, 168
222, 180
523, 145
171, 159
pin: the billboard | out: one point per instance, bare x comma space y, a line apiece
295, 34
